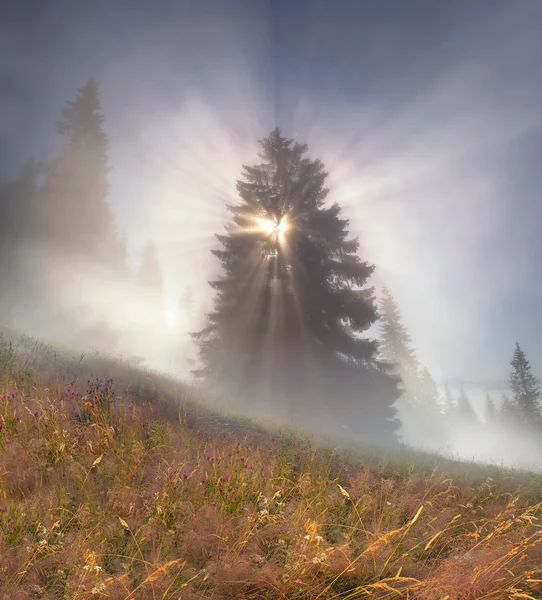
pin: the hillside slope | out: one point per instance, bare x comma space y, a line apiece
116, 483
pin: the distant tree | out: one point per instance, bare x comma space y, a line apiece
525, 388
428, 392
291, 305
76, 215
490, 410
395, 343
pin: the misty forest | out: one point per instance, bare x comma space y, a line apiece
288, 332
269, 297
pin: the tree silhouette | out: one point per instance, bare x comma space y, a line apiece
291, 307
395, 344
525, 388
76, 215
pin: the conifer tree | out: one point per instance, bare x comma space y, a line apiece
291, 305
525, 388
395, 344
77, 217
428, 392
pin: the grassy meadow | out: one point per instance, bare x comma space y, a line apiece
116, 482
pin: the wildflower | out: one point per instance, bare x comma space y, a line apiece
18, 418
469, 505
213, 503
281, 542
319, 538
97, 568
43, 543
60, 572
299, 582
320, 558
203, 480
86, 567
388, 503
98, 589
307, 537
264, 511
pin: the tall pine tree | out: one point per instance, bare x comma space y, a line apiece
525, 388
76, 214
291, 305
395, 344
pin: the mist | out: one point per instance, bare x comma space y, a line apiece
430, 136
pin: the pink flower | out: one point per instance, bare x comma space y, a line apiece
213, 503
299, 581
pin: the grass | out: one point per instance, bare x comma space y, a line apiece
116, 483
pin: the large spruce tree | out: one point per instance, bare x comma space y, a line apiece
76, 214
525, 388
291, 304
395, 344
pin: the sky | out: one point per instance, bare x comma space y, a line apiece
426, 114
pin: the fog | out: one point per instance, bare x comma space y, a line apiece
428, 134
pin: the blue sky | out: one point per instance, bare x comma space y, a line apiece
427, 115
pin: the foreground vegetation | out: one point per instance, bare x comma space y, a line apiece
115, 484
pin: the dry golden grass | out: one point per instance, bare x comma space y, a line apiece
104, 497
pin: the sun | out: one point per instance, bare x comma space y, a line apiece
271, 226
